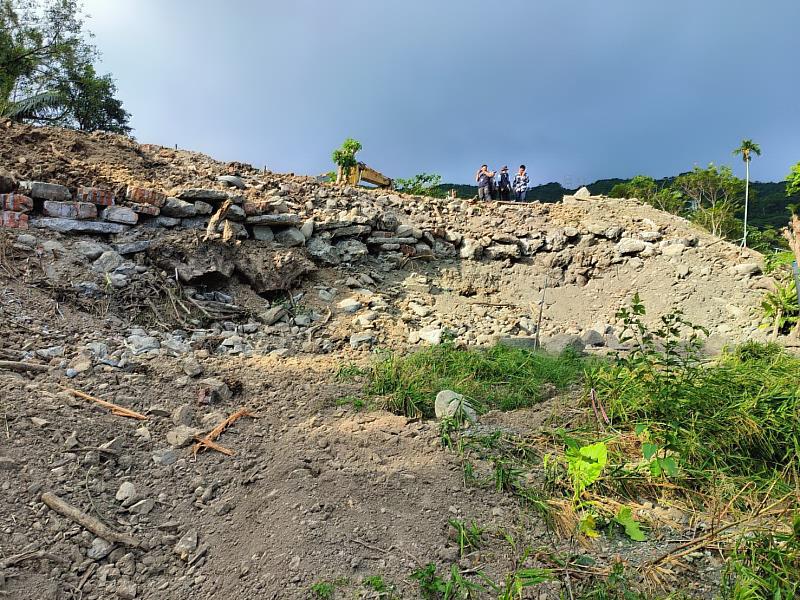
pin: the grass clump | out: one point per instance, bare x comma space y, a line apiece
496, 378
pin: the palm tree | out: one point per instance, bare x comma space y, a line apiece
747, 148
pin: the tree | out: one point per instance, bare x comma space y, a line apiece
714, 195
46, 72
647, 190
747, 149
793, 181
345, 158
424, 184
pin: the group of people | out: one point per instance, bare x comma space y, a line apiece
499, 186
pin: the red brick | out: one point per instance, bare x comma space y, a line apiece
145, 209
70, 210
14, 220
15, 202
99, 196
142, 195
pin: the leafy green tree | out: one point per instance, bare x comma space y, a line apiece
648, 190
345, 158
424, 184
746, 150
714, 194
793, 181
46, 68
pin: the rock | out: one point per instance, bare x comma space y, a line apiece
391, 240
432, 336
8, 464
571, 232
583, 194
126, 589
178, 209
183, 415
322, 251
203, 208
186, 545
182, 435
140, 344
418, 309
73, 226
107, 261
51, 352
8, 182
747, 269
563, 341
202, 194
132, 247
364, 338
233, 181
69, 210
308, 228
281, 220
650, 236
273, 315
518, 341
235, 213
449, 403
165, 457
164, 221
471, 249
28, 240
215, 390
263, 233
120, 214
143, 507
590, 337
46, 191
99, 549
672, 249
192, 367
290, 237
350, 305
502, 251
143, 433
630, 246
351, 251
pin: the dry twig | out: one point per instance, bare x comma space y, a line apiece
15, 365
115, 408
81, 518
208, 441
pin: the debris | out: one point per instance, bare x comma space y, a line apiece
14, 365
88, 522
208, 440
115, 409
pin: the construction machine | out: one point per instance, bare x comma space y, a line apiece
362, 172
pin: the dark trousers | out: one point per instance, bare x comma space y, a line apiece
505, 194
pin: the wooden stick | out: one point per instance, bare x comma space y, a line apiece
88, 522
35, 554
15, 365
207, 441
115, 408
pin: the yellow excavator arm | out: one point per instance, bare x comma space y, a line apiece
362, 172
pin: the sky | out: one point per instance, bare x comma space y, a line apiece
577, 90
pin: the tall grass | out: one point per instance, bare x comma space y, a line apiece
496, 378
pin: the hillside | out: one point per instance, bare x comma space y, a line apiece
247, 319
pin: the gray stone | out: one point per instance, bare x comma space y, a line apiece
182, 436
392, 240
132, 247
351, 250
200, 222
178, 209
364, 338
308, 228
50, 353
120, 214
275, 220
73, 226
99, 549
263, 233
629, 246
216, 389
418, 309
203, 208
451, 404
126, 494
563, 341
471, 249
186, 545
590, 337
432, 336
583, 194
351, 231
143, 507
350, 305
518, 341
140, 344
290, 237
235, 213
322, 251
165, 457
28, 240
203, 194
233, 181
126, 589
747, 269
502, 251
672, 249
650, 236
273, 315
107, 261
8, 182
163, 221
45, 191
192, 367
571, 232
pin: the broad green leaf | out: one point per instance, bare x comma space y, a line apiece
588, 527
669, 466
649, 450
586, 464
625, 518
640, 428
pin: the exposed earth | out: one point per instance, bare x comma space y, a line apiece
292, 283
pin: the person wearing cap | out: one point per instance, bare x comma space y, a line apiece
521, 181
504, 185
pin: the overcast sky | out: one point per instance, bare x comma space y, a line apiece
576, 89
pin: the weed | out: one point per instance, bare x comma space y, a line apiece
467, 536
349, 372
430, 584
379, 586
356, 403
520, 579
323, 590
497, 378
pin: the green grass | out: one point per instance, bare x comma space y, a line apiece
497, 378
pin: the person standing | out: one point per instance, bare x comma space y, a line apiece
504, 185
521, 181
484, 177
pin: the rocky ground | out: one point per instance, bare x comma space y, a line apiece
239, 288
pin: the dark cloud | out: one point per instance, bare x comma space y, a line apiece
576, 89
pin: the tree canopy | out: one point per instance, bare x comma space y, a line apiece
47, 75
